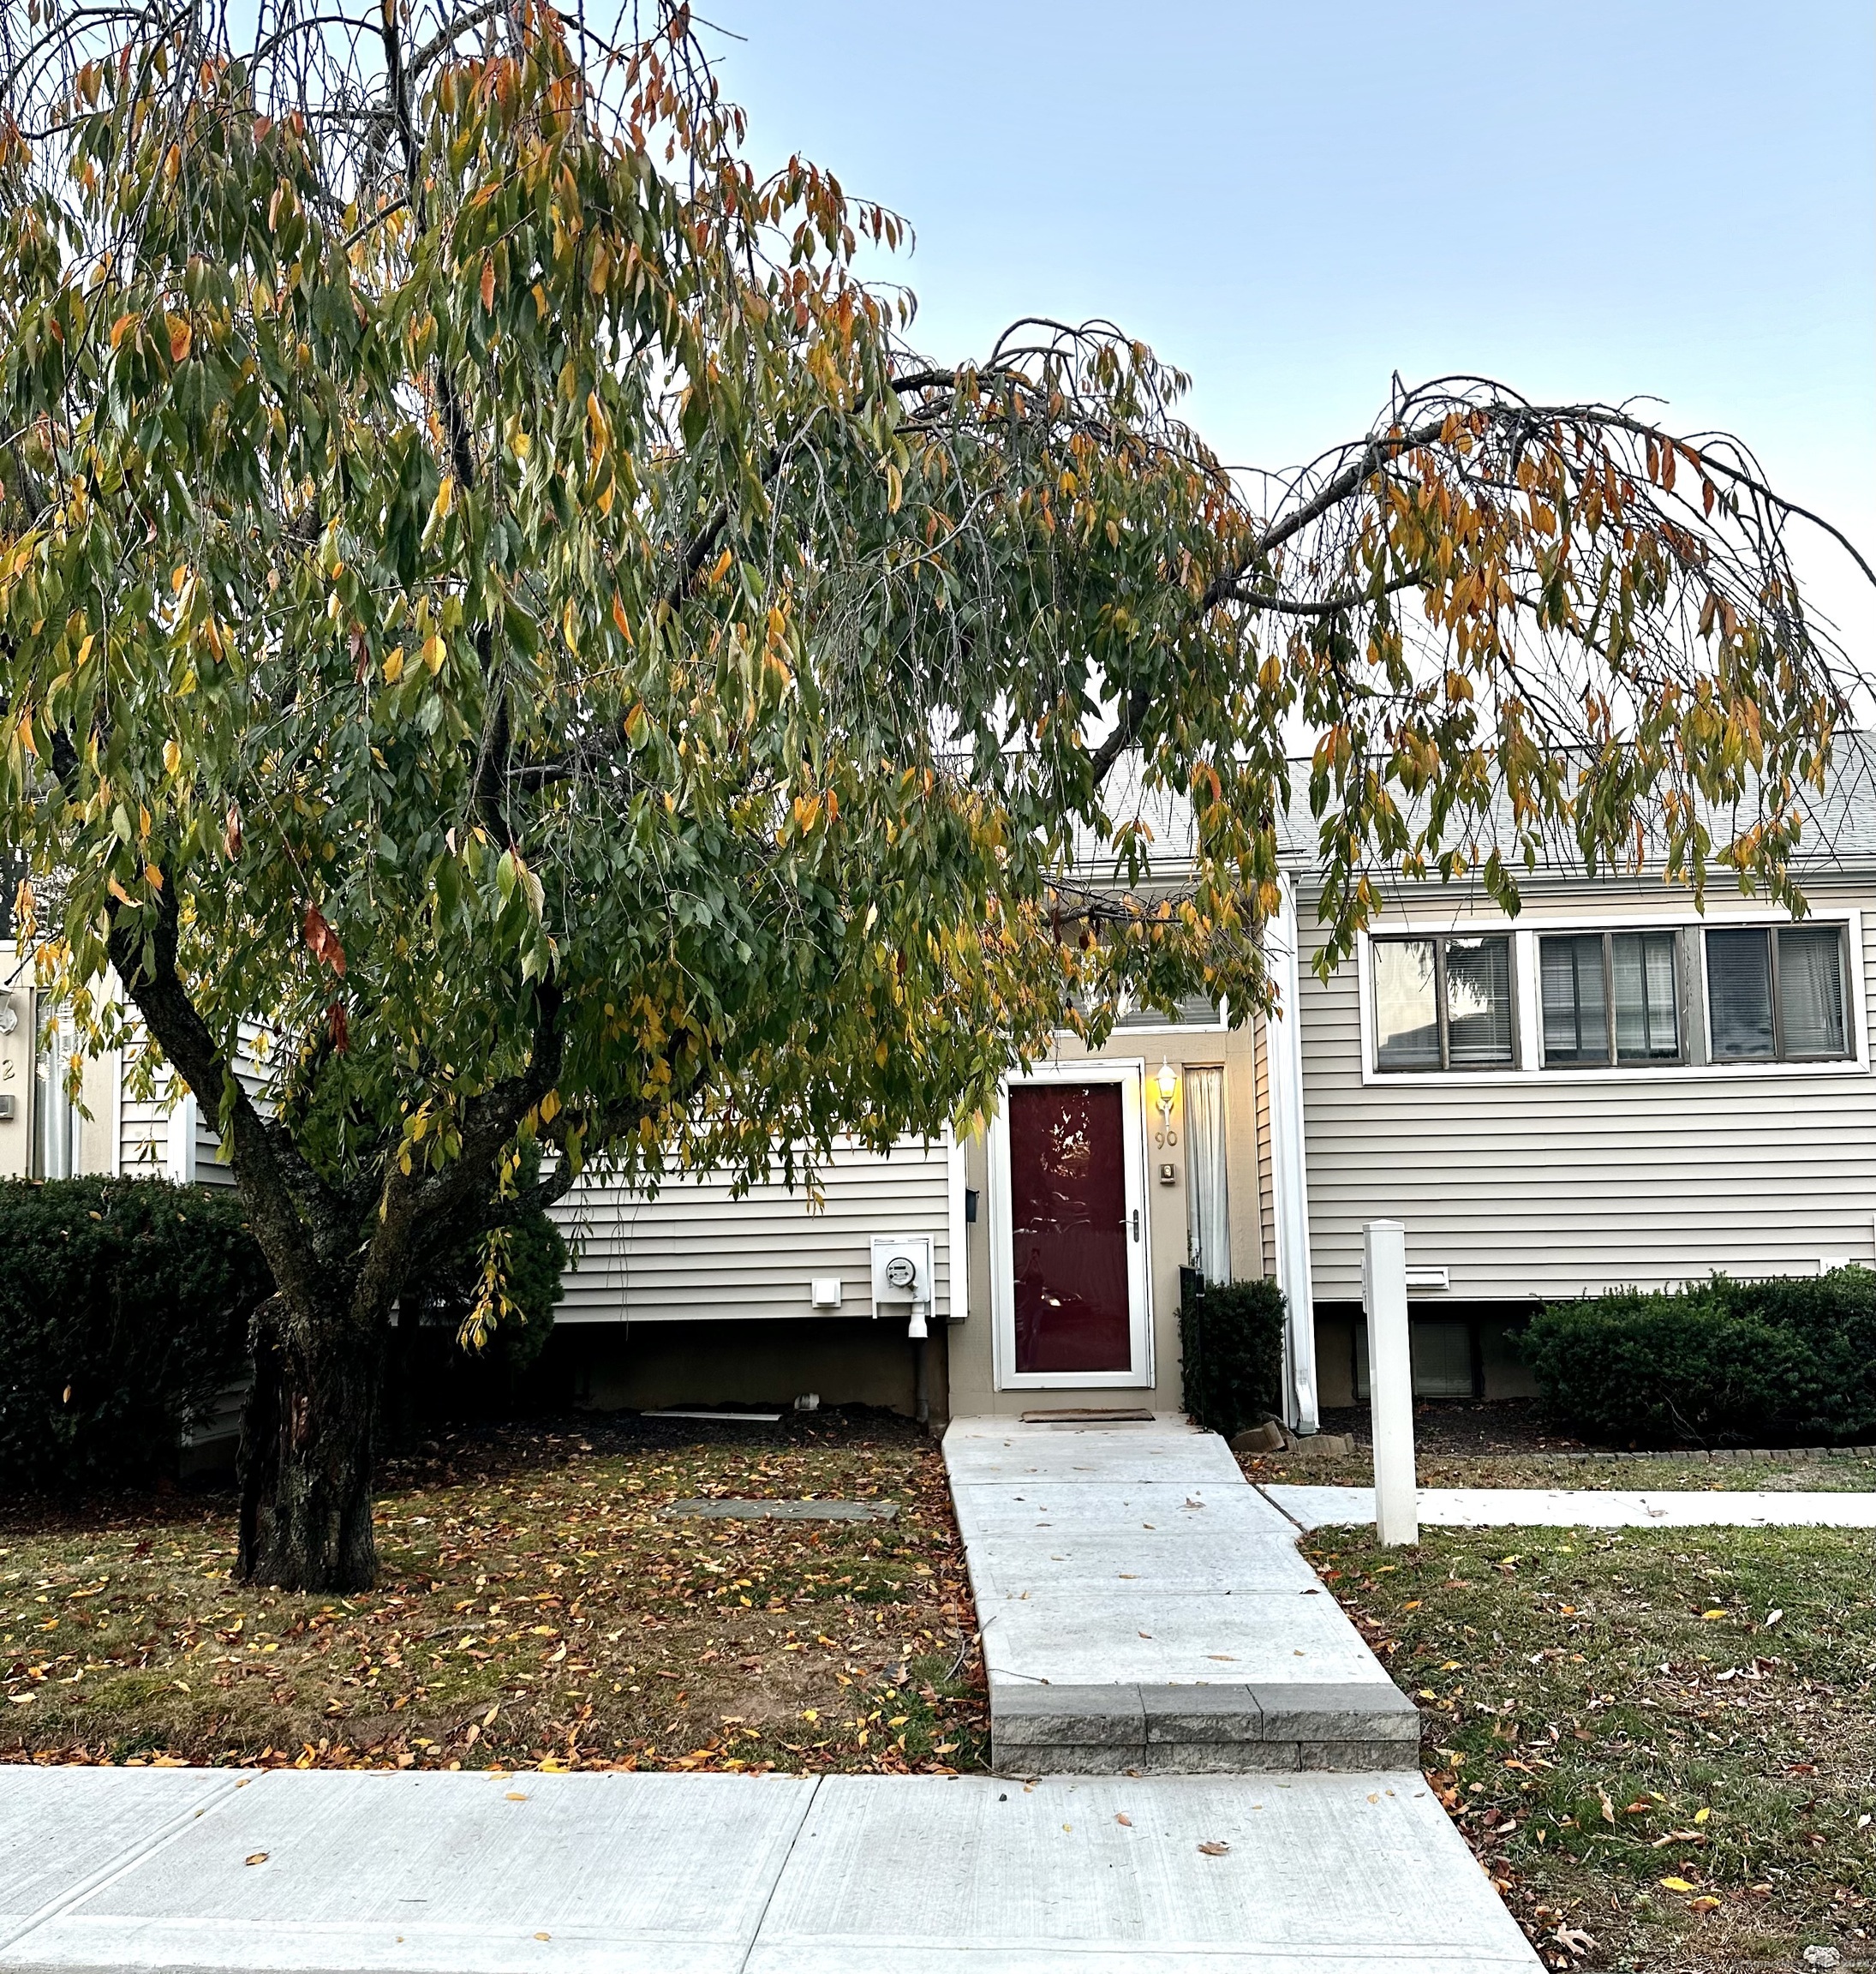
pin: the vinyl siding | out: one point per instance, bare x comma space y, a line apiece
695, 1252
144, 1123
1546, 1185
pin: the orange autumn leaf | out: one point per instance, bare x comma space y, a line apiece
324, 940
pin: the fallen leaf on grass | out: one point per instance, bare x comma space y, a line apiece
1213, 1849
1675, 1885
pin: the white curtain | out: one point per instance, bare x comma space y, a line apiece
1207, 1219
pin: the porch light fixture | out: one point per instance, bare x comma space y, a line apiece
1167, 1083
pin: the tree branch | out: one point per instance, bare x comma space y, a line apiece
260, 1174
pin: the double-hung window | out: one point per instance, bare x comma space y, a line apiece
1443, 1003
1776, 994
1610, 997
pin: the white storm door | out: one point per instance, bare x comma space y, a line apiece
1069, 1240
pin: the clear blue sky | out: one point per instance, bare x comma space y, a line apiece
1591, 199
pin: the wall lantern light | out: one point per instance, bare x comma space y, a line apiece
1167, 1083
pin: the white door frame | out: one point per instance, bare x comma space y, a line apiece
1130, 1074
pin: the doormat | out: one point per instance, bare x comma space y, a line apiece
1090, 1415
723, 1508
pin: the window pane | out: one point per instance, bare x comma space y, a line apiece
1739, 994
1575, 1018
1811, 990
1647, 1007
1478, 1003
1195, 1011
1405, 1008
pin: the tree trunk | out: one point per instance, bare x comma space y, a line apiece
308, 1434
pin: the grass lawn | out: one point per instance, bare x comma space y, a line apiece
1659, 1741
535, 1607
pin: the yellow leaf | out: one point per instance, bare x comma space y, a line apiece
432, 654
1712, 1613
172, 756
488, 285
394, 665
1675, 1885
153, 877
446, 494
180, 336
523, 444
27, 740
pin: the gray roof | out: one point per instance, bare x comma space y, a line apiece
1839, 830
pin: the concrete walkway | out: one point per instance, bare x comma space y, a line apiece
613, 1873
1584, 1508
1143, 1608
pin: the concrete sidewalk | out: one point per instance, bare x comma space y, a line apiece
1584, 1508
1143, 1608
614, 1874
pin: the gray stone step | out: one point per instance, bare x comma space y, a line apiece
1211, 1730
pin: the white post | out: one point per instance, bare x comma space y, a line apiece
1390, 1382
1289, 1167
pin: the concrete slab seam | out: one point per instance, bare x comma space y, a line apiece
1301, 1528
125, 1861
774, 1884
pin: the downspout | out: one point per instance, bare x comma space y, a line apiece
1289, 1169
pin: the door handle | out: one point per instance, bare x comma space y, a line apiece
1136, 1222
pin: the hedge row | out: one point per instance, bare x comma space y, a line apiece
1781, 1363
123, 1312
124, 1309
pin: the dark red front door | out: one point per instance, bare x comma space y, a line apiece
1068, 1218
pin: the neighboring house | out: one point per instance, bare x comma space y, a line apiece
1610, 1091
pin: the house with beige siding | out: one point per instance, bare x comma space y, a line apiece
1611, 1090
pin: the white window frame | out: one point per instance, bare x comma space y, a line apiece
1528, 1030
1129, 1072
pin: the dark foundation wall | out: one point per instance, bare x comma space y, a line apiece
1460, 1351
643, 1366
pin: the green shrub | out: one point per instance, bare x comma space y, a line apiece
1723, 1363
123, 1308
1231, 1342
